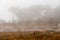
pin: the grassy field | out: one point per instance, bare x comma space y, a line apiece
36, 35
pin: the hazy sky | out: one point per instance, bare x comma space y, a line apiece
5, 4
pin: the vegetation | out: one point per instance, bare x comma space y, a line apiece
30, 35
38, 14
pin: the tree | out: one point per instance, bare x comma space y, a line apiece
57, 14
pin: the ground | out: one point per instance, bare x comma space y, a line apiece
29, 33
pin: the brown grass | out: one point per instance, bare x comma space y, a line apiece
29, 35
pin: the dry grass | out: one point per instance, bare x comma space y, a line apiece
29, 35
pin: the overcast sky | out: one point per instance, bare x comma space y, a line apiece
5, 4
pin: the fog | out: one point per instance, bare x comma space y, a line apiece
45, 12
24, 10
29, 15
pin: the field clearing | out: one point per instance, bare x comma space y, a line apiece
28, 28
29, 33
32, 35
